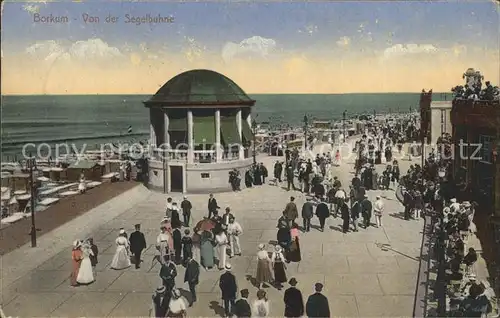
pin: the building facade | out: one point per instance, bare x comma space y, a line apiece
200, 130
440, 119
476, 131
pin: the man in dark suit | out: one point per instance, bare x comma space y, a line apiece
367, 211
228, 287
186, 207
294, 304
137, 245
322, 212
161, 300
242, 307
192, 276
408, 203
307, 214
212, 205
317, 303
168, 272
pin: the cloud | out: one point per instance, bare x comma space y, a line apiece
51, 50
255, 45
344, 41
409, 49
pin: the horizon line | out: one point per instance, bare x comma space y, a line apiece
128, 94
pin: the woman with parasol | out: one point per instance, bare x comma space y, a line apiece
205, 227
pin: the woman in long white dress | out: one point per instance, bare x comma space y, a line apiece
121, 260
82, 187
85, 274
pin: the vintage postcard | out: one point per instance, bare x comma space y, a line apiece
250, 158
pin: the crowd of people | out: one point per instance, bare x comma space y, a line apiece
215, 240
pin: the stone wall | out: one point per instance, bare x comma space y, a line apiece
198, 177
206, 177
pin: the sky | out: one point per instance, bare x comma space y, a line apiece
265, 47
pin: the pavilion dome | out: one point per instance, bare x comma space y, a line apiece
200, 87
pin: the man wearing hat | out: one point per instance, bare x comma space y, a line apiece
322, 212
212, 205
307, 214
160, 302
228, 287
366, 205
227, 216
186, 207
242, 306
294, 303
317, 304
137, 245
168, 272
378, 209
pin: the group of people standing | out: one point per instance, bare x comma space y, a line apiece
256, 175
84, 261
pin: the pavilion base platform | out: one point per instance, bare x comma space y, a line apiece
195, 178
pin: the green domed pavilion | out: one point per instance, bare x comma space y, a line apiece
198, 119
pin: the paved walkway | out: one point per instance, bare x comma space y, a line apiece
369, 273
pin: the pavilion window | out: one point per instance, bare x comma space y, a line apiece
229, 131
204, 130
246, 133
177, 129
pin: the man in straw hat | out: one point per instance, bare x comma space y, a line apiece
159, 306
228, 287
294, 303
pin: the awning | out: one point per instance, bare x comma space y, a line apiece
204, 130
229, 130
177, 124
246, 132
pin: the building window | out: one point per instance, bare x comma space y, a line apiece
486, 148
205, 175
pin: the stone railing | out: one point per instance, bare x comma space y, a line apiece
200, 156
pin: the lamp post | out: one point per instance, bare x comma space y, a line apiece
305, 131
343, 123
31, 164
254, 130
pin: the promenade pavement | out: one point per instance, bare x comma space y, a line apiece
369, 273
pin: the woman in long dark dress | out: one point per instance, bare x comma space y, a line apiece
293, 254
248, 179
277, 260
284, 240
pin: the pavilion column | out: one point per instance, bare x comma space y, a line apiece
239, 124
166, 135
249, 120
152, 134
218, 147
190, 156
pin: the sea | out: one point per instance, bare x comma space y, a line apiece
99, 119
